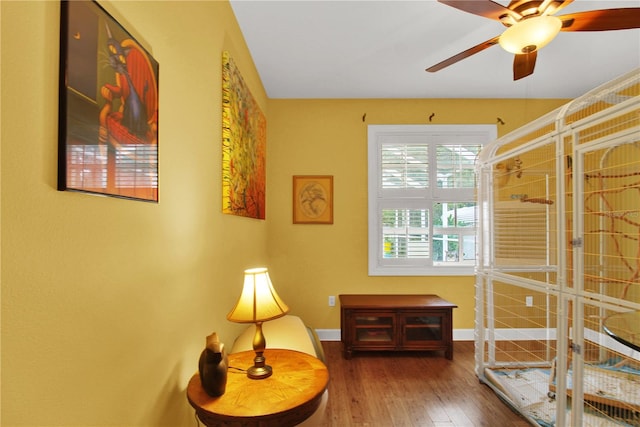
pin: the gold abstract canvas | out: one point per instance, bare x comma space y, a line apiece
244, 140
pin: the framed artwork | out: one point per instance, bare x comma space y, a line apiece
244, 144
313, 199
108, 107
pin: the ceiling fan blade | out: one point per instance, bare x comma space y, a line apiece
487, 8
602, 20
462, 55
524, 64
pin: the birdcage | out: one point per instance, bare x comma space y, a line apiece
558, 274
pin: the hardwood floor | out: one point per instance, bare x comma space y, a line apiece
382, 389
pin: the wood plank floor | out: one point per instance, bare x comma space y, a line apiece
382, 389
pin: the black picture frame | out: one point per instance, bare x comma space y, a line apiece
108, 107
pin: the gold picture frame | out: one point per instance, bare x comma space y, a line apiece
313, 199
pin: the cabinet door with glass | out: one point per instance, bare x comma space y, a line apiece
374, 329
425, 329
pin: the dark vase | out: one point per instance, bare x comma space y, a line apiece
212, 367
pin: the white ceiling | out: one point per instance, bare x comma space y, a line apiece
380, 49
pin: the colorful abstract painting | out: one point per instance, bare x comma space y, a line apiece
244, 140
108, 119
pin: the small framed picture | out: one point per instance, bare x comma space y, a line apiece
313, 199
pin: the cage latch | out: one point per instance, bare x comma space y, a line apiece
577, 242
575, 348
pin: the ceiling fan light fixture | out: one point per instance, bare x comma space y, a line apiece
530, 34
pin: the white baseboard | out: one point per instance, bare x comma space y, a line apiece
516, 334
328, 334
334, 334
463, 335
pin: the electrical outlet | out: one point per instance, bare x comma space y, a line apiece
528, 301
332, 301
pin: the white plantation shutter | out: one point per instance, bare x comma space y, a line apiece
422, 212
521, 233
404, 166
405, 233
456, 165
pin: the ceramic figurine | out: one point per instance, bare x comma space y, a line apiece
213, 366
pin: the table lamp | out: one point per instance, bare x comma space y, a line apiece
258, 303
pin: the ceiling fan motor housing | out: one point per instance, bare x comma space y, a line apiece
531, 26
529, 8
530, 34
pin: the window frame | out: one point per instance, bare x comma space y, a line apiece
424, 198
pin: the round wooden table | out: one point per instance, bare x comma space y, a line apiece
286, 398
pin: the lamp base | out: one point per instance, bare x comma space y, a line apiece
259, 372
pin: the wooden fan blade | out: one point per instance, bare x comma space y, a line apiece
487, 8
462, 55
602, 20
524, 64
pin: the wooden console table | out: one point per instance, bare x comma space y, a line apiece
288, 397
396, 322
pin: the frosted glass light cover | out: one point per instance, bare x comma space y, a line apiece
530, 34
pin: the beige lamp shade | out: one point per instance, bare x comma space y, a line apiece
530, 34
259, 301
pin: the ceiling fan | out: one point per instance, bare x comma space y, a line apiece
531, 26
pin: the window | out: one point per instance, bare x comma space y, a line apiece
422, 201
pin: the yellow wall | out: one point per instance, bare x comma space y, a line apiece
106, 302
329, 137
